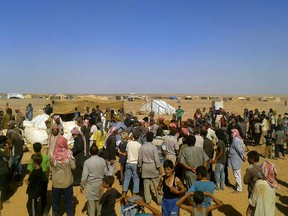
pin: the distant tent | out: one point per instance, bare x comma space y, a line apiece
188, 97
173, 98
15, 96
160, 107
60, 97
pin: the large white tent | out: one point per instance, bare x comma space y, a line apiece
160, 107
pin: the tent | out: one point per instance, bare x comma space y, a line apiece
66, 108
15, 96
160, 107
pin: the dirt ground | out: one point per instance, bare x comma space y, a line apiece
233, 204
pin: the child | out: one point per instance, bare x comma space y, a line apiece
122, 154
198, 197
34, 188
109, 198
204, 185
45, 168
170, 187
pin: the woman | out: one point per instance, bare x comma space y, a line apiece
236, 157
110, 150
62, 164
79, 153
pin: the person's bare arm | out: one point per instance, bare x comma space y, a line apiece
187, 167
160, 185
180, 204
152, 209
181, 188
215, 199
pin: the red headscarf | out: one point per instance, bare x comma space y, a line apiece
235, 133
61, 153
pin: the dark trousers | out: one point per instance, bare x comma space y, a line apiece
68, 200
32, 207
4, 187
279, 148
44, 196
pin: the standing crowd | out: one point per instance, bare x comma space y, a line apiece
175, 163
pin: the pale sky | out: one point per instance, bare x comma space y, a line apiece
163, 46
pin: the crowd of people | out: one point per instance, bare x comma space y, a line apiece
178, 162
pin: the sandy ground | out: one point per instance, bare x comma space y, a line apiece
234, 204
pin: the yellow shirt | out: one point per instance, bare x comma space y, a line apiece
99, 139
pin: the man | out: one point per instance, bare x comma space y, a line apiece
94, 171
16, 142
133, 150
93, 116
98, 114
172, 146
179, 113
76, 114
149, 164
58, 123
19, 118
192, 157
52, 139
29, 112
209, 150
4, 171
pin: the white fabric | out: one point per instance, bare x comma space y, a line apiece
133, 149
237, 176
159, 107
199, 141
263, 199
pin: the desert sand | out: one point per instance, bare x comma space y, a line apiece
233, 204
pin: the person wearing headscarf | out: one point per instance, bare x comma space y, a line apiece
79, 153
29, 112
110, 150
19, 118
236, 157
85, 129
58, 123
52, 139
6, 118
62, 164
100, 138
4, 171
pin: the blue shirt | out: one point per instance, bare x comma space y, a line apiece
204, 187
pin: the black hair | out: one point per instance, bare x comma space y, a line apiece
254, 155
198, 197
149, 136
37, 158
37, 147
221, 135
168, 164
203, 132
191, 140
93, 149
159, 132
109, 180
201, 170
173, 131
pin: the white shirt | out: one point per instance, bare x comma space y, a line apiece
133, 149
199, 141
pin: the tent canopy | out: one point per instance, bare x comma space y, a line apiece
160, 107
68, 106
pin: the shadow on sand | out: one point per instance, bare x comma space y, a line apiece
227, 209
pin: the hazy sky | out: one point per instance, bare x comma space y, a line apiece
144, 46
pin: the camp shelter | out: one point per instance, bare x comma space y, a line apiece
66, 108
173, 98
15, 96
160, 107
188, 97
218, 104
